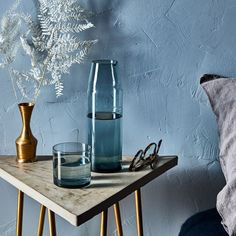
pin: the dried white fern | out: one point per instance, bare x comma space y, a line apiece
9, 39
51, 42
54, 47
10, 30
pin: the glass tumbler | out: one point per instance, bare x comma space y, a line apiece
71, 164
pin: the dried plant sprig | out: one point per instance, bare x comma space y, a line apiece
9, 39
52, 44
51, 41
10, 31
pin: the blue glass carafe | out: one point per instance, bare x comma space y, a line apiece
105, 108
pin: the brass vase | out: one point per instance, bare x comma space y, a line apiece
26, 143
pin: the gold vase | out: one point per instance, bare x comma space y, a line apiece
26, 143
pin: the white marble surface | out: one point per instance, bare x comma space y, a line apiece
77, 205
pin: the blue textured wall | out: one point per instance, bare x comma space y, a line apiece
162, 46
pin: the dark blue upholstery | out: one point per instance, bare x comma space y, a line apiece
206, 223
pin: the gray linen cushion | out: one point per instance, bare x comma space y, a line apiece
222, 95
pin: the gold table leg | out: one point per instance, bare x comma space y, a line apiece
103, 227
41, 220
51, 222
19, 219
118, 219
139, 217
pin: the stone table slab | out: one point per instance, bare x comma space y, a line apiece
77, 205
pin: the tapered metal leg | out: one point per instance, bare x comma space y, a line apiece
118, 219
139, 217
103, 227
19, 218
41, 220
51, 222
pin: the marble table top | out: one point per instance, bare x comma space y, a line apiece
77, 205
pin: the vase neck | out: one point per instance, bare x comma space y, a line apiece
26, 111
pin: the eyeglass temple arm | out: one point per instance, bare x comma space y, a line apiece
140, 152
158, 146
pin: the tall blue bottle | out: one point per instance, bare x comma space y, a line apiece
105, 107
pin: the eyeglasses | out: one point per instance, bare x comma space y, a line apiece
148, 157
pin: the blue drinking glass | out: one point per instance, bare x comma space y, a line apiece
71, 164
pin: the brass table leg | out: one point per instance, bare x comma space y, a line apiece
139, 217
118, 219
51, 222
41, 220
19, 219
103, 227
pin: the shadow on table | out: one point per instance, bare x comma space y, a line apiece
44, 158
106, 181
104, 185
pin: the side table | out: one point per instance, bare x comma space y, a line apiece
78, 205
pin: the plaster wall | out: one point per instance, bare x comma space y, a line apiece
163, 46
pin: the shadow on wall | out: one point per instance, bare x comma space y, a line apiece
108, 28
